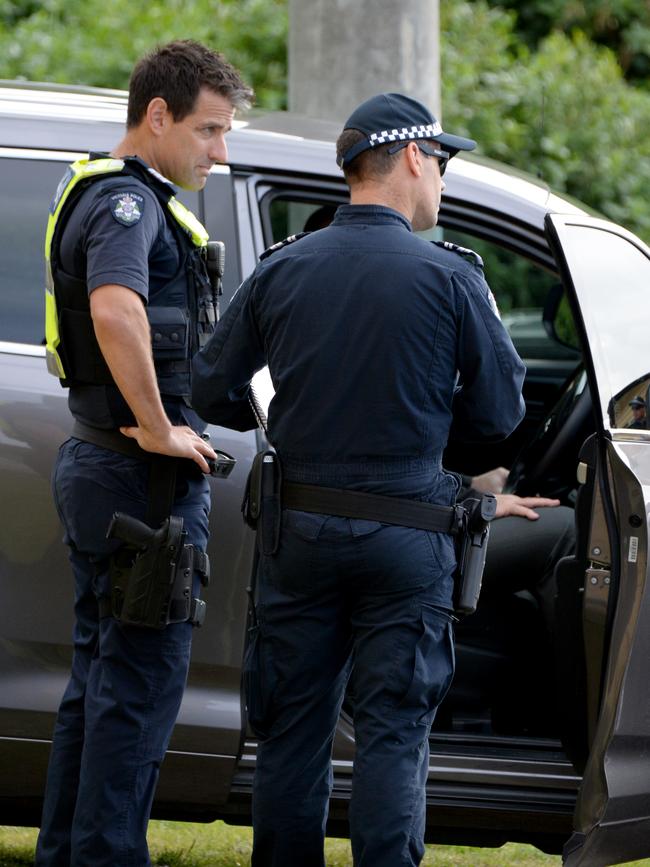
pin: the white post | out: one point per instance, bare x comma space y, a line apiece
344, 51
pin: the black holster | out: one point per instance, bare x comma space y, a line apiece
151, 574
262, 506
471, 548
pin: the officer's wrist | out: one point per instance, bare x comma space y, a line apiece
158, 428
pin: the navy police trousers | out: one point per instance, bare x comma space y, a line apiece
354, 603
126, 685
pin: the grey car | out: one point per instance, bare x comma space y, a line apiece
540, 740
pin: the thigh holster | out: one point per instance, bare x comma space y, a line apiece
152, 574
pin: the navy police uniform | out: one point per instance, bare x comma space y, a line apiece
127, 682
378, 343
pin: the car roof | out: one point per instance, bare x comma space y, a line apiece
71, 118
76, 119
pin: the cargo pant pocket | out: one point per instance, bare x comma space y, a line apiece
258, 683
431, 668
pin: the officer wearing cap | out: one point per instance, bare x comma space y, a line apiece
378, 343
640, 421
128, 300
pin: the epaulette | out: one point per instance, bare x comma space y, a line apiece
465, 252
280, 244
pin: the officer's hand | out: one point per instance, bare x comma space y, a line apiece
491, 482
511, 504
177, 442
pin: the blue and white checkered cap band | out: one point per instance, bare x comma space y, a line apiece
429, 130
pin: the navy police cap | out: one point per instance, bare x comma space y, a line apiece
390, 117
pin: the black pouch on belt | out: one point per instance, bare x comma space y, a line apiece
262, 506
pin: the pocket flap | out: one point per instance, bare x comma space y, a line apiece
169, 331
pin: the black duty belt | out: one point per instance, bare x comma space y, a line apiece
112, 440
345, 503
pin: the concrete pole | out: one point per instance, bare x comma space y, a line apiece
343, 51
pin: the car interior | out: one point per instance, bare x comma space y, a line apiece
512, 676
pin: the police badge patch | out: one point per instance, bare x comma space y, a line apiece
127, 208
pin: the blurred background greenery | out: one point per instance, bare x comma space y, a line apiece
560, 88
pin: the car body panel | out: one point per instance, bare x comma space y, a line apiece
36, 607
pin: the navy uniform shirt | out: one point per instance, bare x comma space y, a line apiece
141, 254
378, 343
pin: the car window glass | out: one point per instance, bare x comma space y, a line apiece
27, 186
611, 275
287, 215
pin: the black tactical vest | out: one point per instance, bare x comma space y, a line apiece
177, 332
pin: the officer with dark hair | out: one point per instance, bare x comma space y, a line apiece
129, 299
378, 343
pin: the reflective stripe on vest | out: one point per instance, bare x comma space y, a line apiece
79, 171
185, 218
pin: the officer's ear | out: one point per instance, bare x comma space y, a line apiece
413, 158
158, 115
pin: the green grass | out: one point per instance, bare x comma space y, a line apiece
181, 844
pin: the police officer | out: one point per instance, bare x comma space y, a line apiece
639, 421
378, 342
125, 264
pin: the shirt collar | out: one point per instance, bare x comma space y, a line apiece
376, 215
161, 179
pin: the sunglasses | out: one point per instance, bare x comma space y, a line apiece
429, 151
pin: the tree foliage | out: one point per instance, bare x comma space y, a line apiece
563, 111
555, 104
622, 25
97, 42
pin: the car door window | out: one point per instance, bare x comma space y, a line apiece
28, 186
610, 270
289, 214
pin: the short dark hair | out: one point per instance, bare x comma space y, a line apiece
369, 165
177, 72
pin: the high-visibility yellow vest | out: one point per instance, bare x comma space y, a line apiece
83, 170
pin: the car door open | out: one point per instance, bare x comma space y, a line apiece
606, 272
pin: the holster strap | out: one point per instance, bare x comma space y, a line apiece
202, 566
176, 610
372, 507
